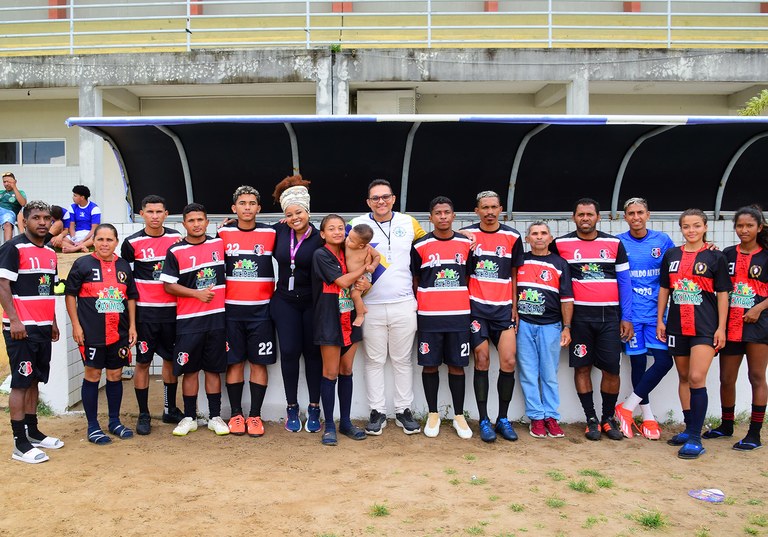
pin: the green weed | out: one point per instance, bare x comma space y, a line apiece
580, 486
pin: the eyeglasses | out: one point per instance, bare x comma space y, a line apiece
385, 197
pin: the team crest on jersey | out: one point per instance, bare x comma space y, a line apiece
157, 270
226, 346
143, 347
501, 251
742, 296
215, 255
530, 302
423, 347
121, 276
182, 358
655, 253
487, 269
110, 300
447, 278
545, 275
604, 254
44, 285
700, 267
580, 350
25, 368
206, 277
474, 326
459, 258
258, 249
686, 292
245, 268
755, 271
399, 231
592, 271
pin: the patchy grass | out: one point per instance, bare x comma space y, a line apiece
702, 532
556, 475
554, 502
652, 520
580, 486
588, 472
493, 497
604, 482
470, 457
517, 507
751, 531
474, 480
450, 471
455, 481
755, 501
759, 520
379, 509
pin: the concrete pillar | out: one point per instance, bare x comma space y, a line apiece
577, 97
340, 84
56, 12
324, 87
91, 148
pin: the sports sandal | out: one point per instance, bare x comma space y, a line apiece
748, 444
33, 456
354, 432
49, 442
329, 437
121, 431
99, 438
691, 450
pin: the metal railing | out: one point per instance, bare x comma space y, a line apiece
173, 25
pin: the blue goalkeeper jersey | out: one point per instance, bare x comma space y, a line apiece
645, 256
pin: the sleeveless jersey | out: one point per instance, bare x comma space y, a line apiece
197, 266
543, 283
493, 263
146, 254
249, 272
693, 280
749, 276
32, 273
442, 296
645, 256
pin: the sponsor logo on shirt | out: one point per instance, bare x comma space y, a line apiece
245, 268
686, 292
44, 285
345, 301
592, 271
487, 269
206, 277
447, 278
110, 300
157, 270
530, 302
742, 296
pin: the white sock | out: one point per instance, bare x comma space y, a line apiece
647, 413
632, 401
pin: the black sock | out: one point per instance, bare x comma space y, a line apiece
687, 418
257, 398
114, 392
431, 382
235, 393
345, 401
214, 404
756, 421
190, 406
142, 397
90, 397
457, 386
506, 387
726, 422
328, 398
30, 420
20, 436
480, 383
699, 400
609, 404
169, 396
588, 404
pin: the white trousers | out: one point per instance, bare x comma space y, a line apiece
389, 329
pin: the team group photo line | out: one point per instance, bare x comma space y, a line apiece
379, 281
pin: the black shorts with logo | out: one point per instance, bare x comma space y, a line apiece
251, 340
30, 360
114, 356
449, 348
155, 338
481, 330
596, 344
205, 351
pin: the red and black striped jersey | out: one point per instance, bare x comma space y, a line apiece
594, 266
32, 273
693, 280
493, 263
146, 254
749, 278
249, 271
103, 289
440, 266
197, 266
543, 282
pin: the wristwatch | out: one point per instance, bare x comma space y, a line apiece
568, 326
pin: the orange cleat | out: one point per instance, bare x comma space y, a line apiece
237, 425
625, 419
651, 430
255, 426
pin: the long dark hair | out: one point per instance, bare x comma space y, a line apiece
756, 213
327, 219
693, 212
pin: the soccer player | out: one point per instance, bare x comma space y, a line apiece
84, 216
101, 303
545, 310
695, 282
645, 250
602, 294
747, 328
27, 276
250, 278
492, 290
155, 310
194, 272
439, 267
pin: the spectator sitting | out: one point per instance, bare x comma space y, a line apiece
84, 216
11, 201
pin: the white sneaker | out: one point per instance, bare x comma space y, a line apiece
432, 427
218, 426
185, 426
462, 428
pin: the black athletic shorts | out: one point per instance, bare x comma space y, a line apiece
682, 345
155, 338
734, 348
481, 330
251, 340
449, 348
30, 360
114, 356
596, 344
205, 351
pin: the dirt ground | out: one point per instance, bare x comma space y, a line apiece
392, 485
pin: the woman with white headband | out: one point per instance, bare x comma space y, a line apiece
291, 305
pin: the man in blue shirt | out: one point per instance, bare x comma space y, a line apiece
645, 249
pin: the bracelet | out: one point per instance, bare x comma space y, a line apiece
568, 326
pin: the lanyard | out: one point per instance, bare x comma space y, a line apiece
387, 235
293, 251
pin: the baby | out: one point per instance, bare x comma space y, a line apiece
359, 253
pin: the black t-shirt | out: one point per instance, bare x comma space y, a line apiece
302, 274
